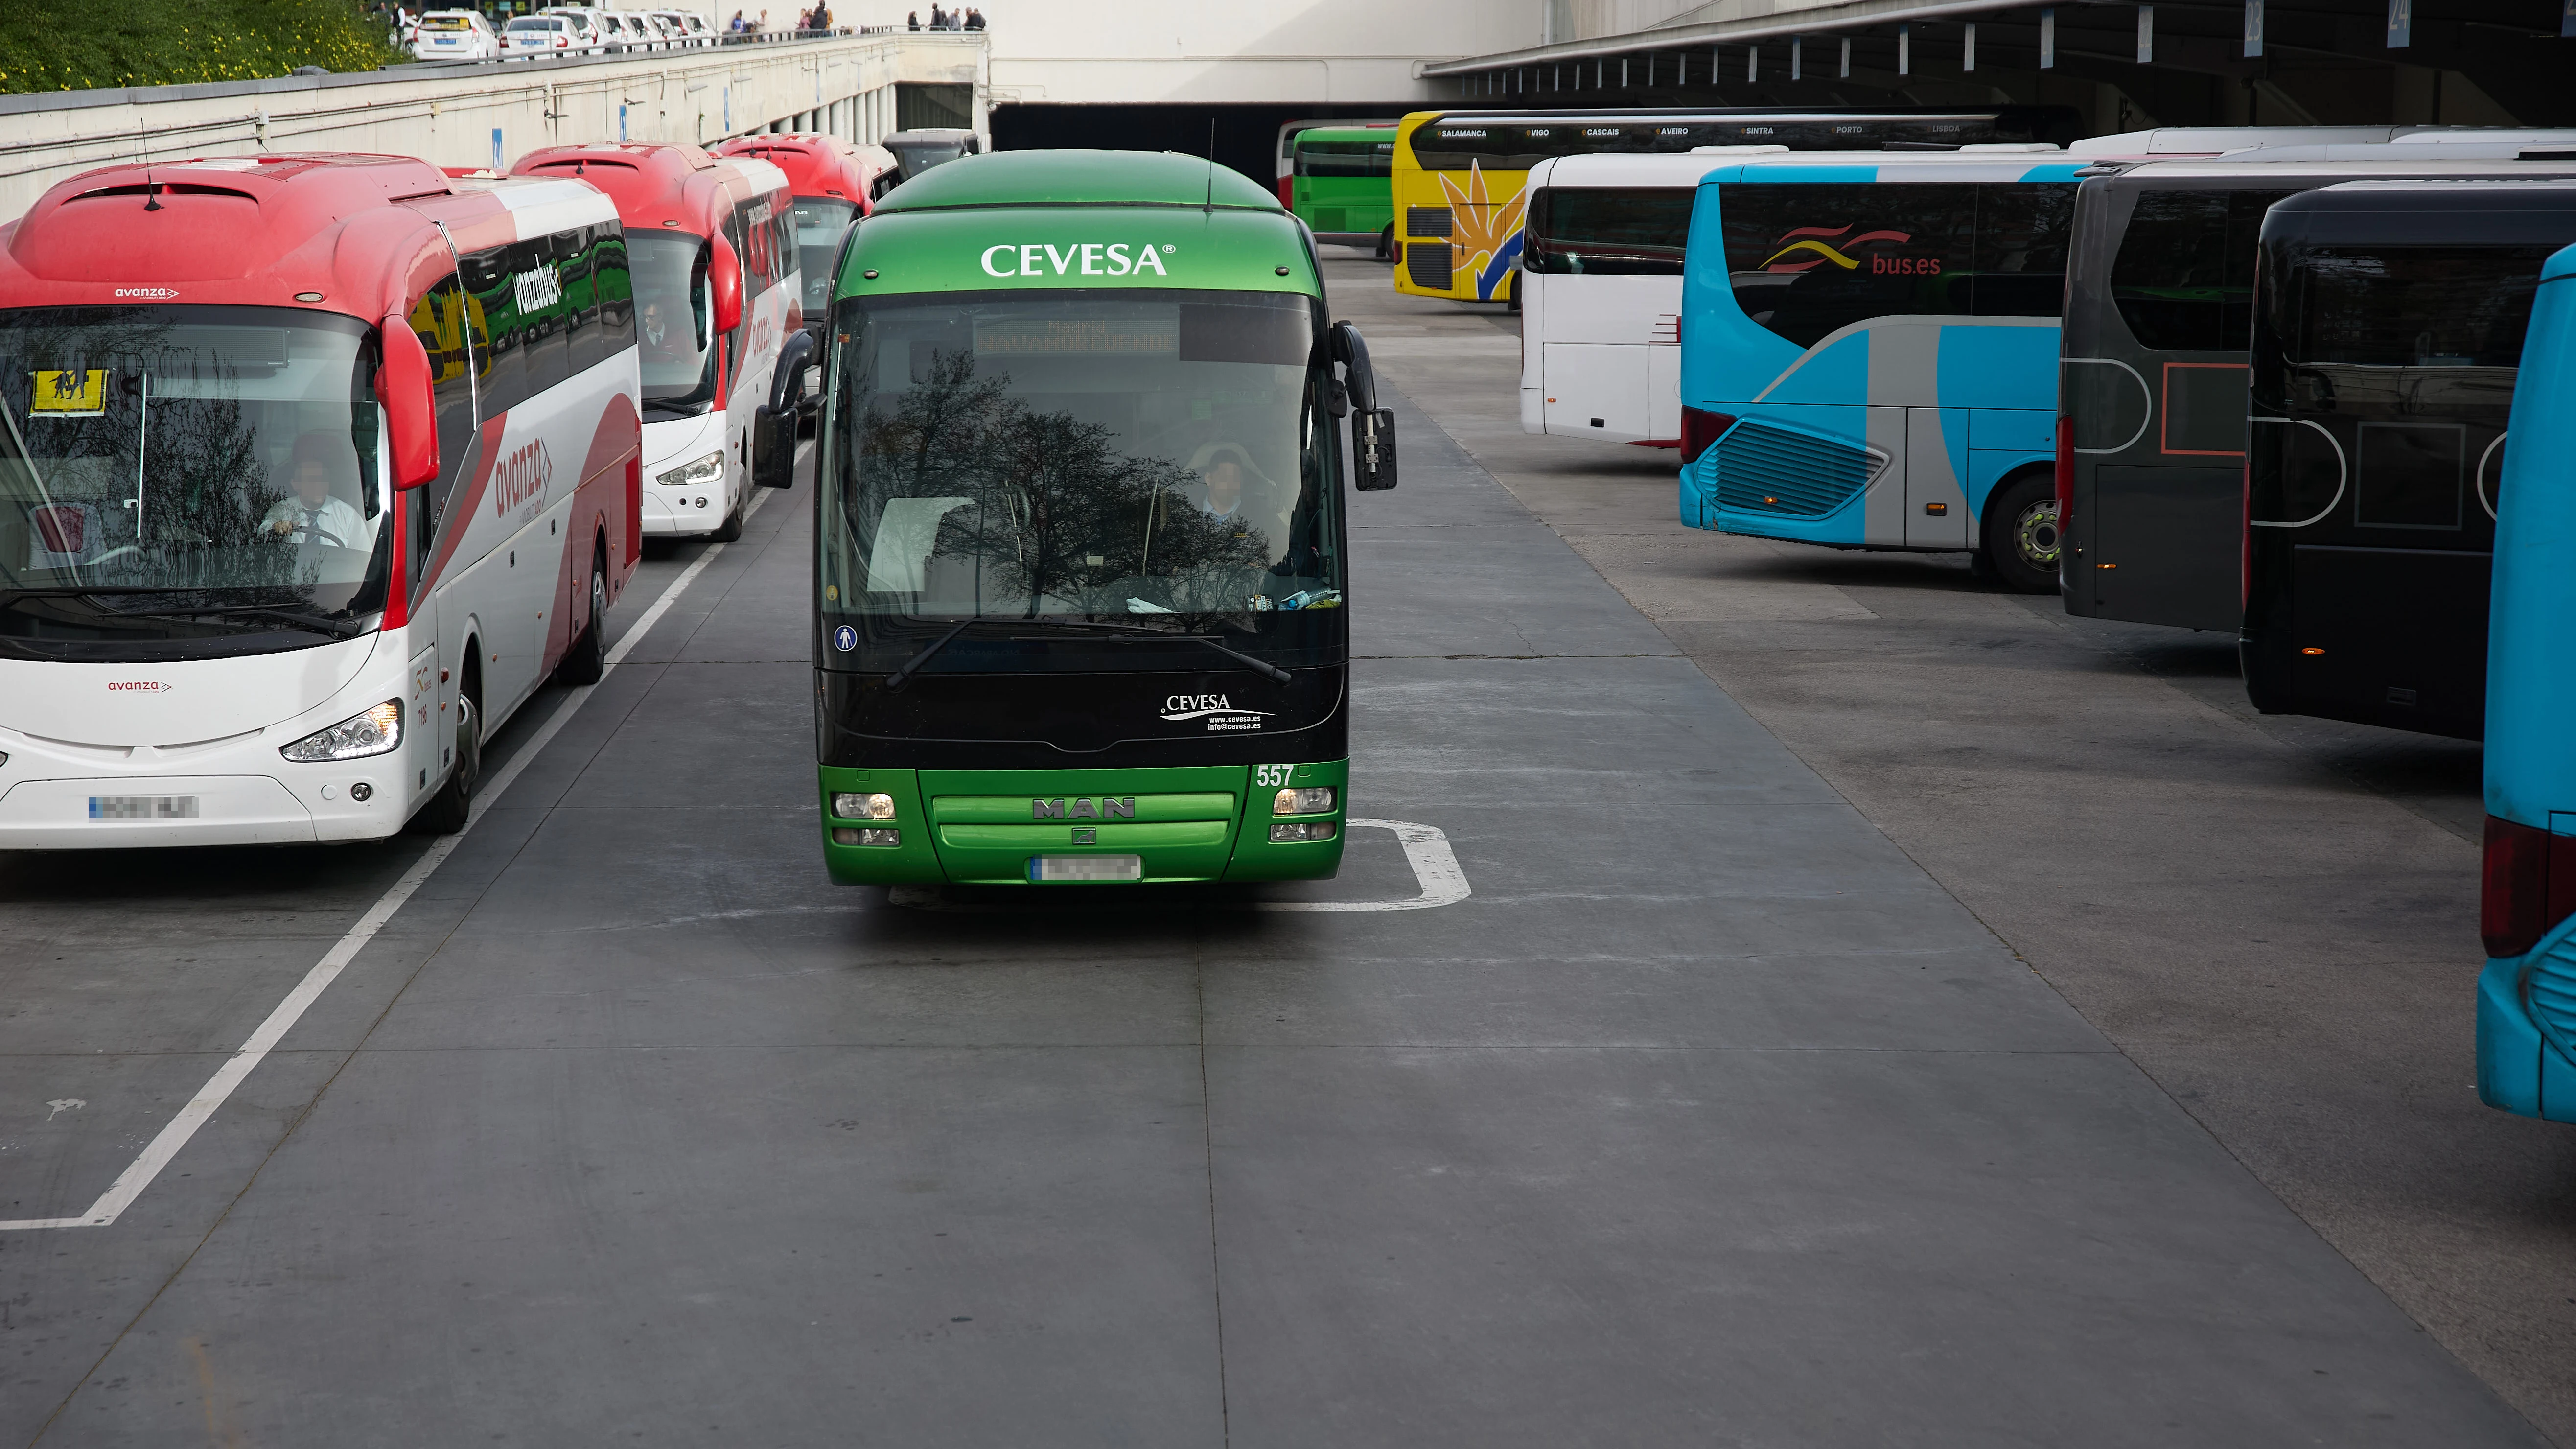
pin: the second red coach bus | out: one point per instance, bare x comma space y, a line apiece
716, 294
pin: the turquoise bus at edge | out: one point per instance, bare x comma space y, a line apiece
2527, 993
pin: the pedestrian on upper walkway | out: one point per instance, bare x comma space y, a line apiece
912, 19
735, 25
974, 18
938, 18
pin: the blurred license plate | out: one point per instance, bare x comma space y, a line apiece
1086, 867
142, 807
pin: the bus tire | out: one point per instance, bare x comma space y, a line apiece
730, 531
1386, 243
587, 659
2021, 543
1512, 280
446, 811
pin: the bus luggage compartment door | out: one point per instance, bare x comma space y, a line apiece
2400, 636
2166, 545
1936, 458
1598, 390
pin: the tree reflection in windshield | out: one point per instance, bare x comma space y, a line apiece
195, 457
987, 505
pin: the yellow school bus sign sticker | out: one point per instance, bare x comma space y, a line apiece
70, 394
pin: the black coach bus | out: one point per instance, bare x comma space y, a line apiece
2387, 333
2159, 312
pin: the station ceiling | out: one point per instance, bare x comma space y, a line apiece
2125, 66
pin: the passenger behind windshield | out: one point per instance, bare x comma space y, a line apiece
1115, 456
674, 323
160, 460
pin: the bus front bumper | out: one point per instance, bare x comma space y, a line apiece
1125, 826
2519, 1071
129, 812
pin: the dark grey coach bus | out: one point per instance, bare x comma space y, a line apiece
2388, 326
2159, 311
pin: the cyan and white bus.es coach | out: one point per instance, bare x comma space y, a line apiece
312, 468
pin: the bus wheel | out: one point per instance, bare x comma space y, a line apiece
1386, 243
2022, 541
587, 659
446, 811
731, 531
1513, 302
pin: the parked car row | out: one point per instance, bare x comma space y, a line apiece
559, 30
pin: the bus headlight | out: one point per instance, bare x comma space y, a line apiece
376, 732
1297, 830
863, 807
703, 470
1316, 800
845, 835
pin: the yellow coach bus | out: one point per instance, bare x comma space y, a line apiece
1458, 174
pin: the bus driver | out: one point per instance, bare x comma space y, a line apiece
314, 514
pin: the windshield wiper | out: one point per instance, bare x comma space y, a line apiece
903, 672
316, 623
1263, 667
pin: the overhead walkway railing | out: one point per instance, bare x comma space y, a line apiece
485, 113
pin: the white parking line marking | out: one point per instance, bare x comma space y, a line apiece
1426, 849
130, 1184
1435, 869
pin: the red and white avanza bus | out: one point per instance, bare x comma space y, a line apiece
312, 469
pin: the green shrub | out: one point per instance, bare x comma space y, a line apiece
181, 42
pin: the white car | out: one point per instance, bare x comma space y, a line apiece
532, 35
455, 35
624, 32
687, 27
590, 27
656, 29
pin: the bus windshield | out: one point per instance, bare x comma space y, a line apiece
674, 322
187, 480
821, 222
917, 156
1637, 231
1156, 459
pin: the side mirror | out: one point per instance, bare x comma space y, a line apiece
404, 386
1372, 427
773, 428
724, 281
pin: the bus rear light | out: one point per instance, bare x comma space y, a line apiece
2065, 471
2311, 650
2526, 886
1699, 429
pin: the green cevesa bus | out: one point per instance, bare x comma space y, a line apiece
1079, 546
1337, 180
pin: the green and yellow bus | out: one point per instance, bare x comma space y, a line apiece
1458, 174
1335, 178
1079, 548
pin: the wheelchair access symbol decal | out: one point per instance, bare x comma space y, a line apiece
845, 638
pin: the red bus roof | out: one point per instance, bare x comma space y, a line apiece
676, 186
348, 233
818, 165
